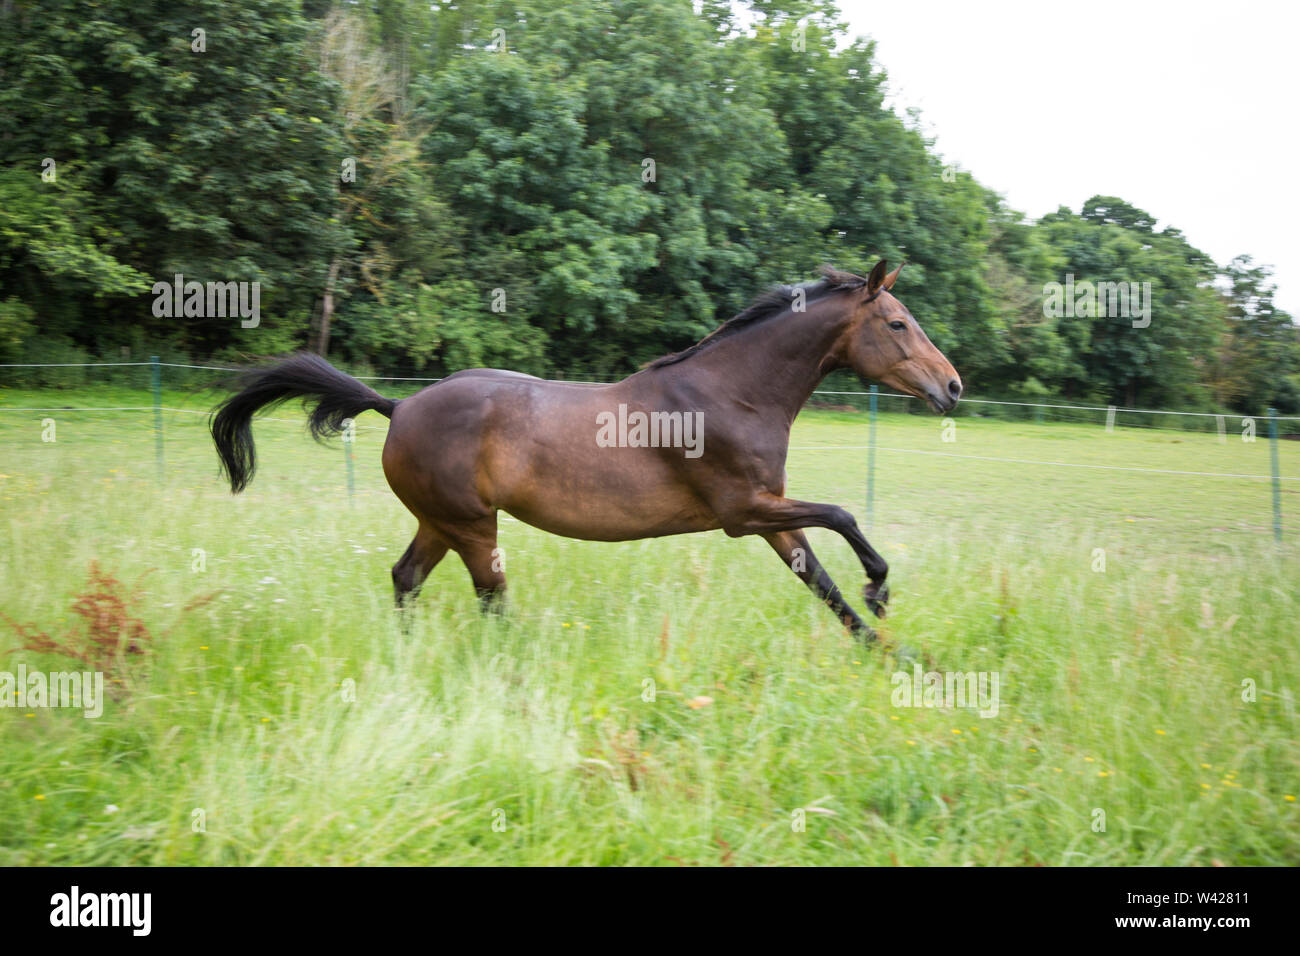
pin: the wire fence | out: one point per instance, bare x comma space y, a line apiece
851, 397
1109, 417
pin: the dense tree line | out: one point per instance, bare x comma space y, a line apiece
549, 187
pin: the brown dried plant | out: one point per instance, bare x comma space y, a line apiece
106, 632
108, 629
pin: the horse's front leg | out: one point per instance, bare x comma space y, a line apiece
793, 548
768, 513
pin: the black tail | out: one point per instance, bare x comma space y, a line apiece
330, 395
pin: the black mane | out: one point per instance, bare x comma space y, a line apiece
773, 302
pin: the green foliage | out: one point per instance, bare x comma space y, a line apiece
16, 325
1261, 351
615, 178
213, 164
43, 234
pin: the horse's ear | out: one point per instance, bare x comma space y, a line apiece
877, 278
893, 276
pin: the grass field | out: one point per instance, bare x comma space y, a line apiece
289, 720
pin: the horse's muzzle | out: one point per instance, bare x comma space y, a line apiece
944, 401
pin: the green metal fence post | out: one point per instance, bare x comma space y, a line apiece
871, 461
1277, 475
156, 375
349, 435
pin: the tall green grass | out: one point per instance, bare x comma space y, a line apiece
295, 719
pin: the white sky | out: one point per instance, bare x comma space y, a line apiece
1184, 109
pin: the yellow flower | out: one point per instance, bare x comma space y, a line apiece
1160, 732
1289, 798
40, 796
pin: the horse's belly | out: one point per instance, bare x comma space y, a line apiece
638, 497
603, 526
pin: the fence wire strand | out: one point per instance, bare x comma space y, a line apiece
914, 451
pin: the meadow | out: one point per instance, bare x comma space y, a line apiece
678, 701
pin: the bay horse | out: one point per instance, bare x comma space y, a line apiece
695, 441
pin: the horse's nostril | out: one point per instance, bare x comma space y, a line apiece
954, 388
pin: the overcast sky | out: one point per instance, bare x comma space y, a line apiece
1187, 110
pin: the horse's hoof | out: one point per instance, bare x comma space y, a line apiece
905, 655
876, 598
864, 632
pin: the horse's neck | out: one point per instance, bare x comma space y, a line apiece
775, 364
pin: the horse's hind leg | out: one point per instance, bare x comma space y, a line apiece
476, 543
793, 548
423, 553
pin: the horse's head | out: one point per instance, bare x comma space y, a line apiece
884, 343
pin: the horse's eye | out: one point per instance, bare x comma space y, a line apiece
897, 326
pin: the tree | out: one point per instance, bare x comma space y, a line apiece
1262, 344
197, 153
